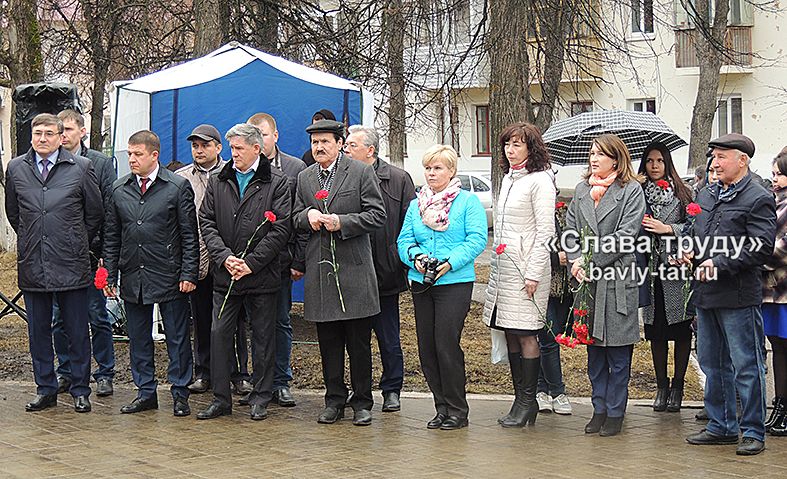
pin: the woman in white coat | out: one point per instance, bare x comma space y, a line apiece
519, 280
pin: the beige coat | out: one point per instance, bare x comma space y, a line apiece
525, 222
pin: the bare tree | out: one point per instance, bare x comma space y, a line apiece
394, 28
209, 26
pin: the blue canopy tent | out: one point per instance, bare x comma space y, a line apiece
226, 87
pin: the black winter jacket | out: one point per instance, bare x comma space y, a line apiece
151, 239
227, 222
54, 220
750, 215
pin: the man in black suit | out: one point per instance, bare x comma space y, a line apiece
152, 241
398, 190
54, 205
291, 259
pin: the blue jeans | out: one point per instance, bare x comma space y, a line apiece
101, 337
386, 327
550, 377
282, 374
729, 345
175, 315
609, 370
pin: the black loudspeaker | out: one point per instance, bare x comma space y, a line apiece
35, 98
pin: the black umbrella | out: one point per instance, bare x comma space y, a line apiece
569, 140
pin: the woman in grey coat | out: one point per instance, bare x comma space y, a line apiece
666, 197
608, 206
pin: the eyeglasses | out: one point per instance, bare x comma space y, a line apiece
45, 134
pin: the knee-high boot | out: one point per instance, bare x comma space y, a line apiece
525, 407
515, 362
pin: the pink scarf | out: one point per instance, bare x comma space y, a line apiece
434, 207
600, 185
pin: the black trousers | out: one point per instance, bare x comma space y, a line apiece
440, 313
386, 329
201, 300
260, 311
356, 336
73, 313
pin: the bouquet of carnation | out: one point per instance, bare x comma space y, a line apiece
322, 195
580, 329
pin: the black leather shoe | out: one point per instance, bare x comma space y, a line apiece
391, 402
82, 404
660, 402
63, 385
362, 417
241, 387
139, 404
330, 415
244, 400
436, 421
283, 397
199, 386
104, 387
750, 447
258, 412
215, 410
453, 422
594, 426
704, 438
41, 402
181, 407
611, 426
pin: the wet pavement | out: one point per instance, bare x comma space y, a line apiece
61, 443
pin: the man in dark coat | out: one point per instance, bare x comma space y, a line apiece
340, 282
54, 204
205, 150
100, 323
398, 190
290, 259
245, 221
152, 242
728, 294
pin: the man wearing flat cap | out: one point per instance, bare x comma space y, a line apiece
728, 294
340, 283
205, 152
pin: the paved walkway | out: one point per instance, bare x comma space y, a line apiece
60, 443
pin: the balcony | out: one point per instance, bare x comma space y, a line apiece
737, 43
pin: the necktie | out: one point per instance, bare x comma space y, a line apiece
144, 185
324, 175
45, 169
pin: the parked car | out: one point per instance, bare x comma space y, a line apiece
480, 185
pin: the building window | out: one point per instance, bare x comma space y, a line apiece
642, 16
578, 107
482, 137
644, 105
459, 22
729, 116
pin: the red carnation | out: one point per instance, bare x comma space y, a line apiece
580, 312
693, 209
100, 281
321, 195
559, 205
501, 248
270, 216
663, 184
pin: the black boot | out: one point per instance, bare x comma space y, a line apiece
675, 400
515, 361
594, 426
777, 412
660, 403
527, 410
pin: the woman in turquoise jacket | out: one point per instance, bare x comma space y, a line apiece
444, 230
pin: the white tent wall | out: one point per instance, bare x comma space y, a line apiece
134, 116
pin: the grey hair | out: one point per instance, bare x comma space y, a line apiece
370, 136
251, 134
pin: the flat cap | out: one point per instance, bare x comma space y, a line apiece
326, 126
734, 141
205, 132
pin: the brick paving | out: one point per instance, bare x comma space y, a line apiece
61, 443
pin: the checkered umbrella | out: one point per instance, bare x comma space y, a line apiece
569, 140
